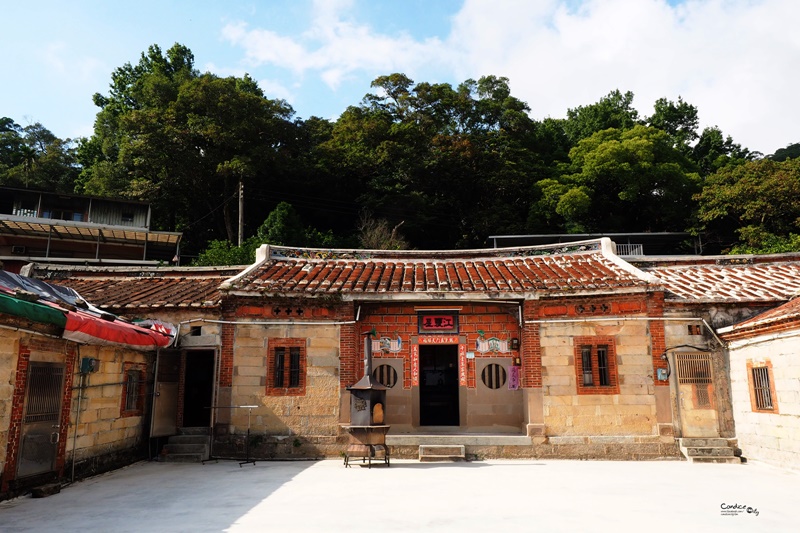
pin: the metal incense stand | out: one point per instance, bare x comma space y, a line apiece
246, 442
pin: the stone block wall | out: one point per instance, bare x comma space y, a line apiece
312, 416
692, 335
98, 425
630, 412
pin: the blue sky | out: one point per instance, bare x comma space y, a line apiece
738, 61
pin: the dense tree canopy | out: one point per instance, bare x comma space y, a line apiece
33, 157
426, 165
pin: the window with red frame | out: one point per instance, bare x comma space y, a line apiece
596, 365
286, 367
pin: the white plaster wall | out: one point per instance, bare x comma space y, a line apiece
768, 437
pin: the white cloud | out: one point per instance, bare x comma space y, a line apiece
334, 47
736, 60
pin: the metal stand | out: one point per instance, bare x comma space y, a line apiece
368, 443
246, 442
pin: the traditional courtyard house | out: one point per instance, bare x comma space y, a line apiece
72, 384
547, 351
765, 384
722, 291
183, 390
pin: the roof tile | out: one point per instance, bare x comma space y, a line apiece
581, 267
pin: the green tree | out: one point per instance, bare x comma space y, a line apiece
614, 110
454, 164
33, 157
782, 154
754, 206
714, 151
184, 141
283, 227
622, 181
679, 120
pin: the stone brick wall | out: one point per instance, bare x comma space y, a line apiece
694, 336
764, 436
312, 415
102, 426
631, 412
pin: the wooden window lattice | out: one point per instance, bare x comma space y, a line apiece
694, 368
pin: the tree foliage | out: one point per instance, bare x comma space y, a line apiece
32, 157
445, 165
754, 206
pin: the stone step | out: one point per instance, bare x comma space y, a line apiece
171, 448
183, 458
724, 460
195, 431
710, 452
703, 442
46, 490
432, 452
188, 439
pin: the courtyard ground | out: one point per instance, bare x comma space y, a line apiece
490, 496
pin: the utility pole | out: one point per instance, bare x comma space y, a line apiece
241, 211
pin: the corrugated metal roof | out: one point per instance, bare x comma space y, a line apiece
576, 267
769, 278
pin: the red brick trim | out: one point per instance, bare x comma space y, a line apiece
751, 386
272, 390
18, 403
658, 343
531, 349
613, 378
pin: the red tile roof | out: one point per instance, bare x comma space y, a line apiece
124, 289
769, 278
788, 313
577, 267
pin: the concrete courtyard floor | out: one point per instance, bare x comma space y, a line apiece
323, 496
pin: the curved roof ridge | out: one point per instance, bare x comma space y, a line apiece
328, 254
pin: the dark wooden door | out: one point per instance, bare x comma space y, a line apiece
438, 385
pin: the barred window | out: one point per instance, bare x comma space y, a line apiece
286, 367
595, 365
762, 389
133, 392
493, 376
385, 375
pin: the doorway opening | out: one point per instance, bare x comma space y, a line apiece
438, 385
198, 391
41, 419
